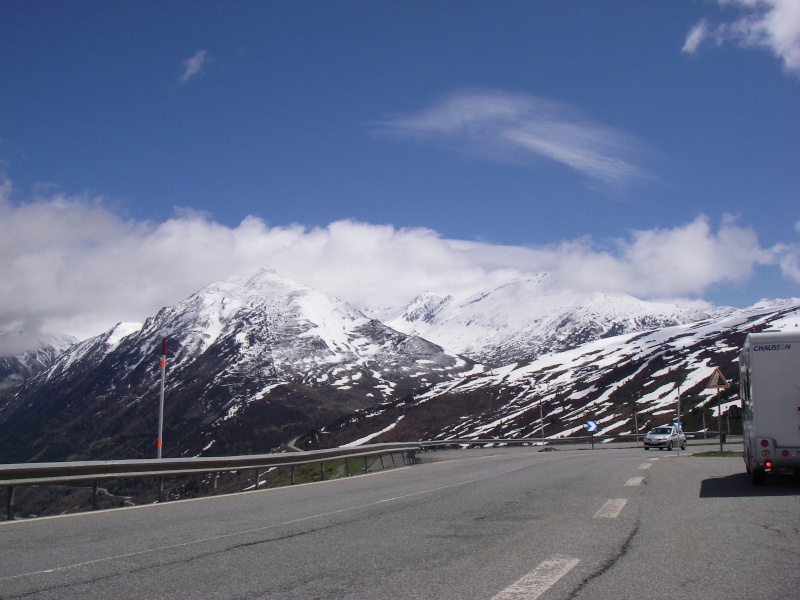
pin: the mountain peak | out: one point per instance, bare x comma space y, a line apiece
526, 317
250, 360
28, 355
425, 307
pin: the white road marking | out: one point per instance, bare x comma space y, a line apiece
538, 581
234, 534
611, 509
634, 481
645, 466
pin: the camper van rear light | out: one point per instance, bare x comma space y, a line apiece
765, 453
785, 453
767, 464
764, 443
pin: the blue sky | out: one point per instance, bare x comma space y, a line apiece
648, 147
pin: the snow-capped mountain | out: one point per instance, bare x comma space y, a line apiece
16, 369
251, 361
525, 318
603, 381
257, 359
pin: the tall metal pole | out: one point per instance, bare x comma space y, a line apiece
541, 419
161, 403
719, 420
635, 423
680, 426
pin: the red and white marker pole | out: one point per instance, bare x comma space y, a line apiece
161, 403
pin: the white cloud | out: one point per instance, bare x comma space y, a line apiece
695, 37
520, 129
194, 65
71, 264
773, 25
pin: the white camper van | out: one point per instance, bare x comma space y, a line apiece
769, 384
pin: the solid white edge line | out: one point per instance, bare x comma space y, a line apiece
538, 581
254, 529
221, 497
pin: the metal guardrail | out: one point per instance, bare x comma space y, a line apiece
434, 444
534, 441
16, 475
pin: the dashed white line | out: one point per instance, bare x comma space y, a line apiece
634, 481
611, 509
538, 581
645, 466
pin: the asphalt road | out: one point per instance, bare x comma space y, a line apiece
479, 524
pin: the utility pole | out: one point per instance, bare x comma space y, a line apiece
705, 435
541, 419
680, 425
719, 420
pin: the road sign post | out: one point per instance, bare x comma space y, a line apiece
591, 427
717, 381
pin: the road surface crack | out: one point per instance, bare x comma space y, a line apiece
604, 568
169, 562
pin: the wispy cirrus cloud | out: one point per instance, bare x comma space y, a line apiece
695, 37
194, 65
773, 25
521, 129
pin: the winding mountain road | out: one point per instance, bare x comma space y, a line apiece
483, 524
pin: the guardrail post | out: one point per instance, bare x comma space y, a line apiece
94, 495
291, 477
322, 471
258, 474
10, 503
366, 469
394, 464
347, 466
383, 467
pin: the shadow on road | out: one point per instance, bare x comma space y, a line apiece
739, 485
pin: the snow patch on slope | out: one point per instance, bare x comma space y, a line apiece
526, 318
370, 437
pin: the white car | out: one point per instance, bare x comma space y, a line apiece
666, 436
